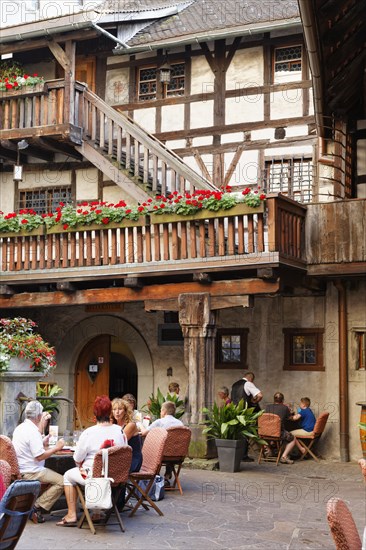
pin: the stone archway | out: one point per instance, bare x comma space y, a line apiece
79, 335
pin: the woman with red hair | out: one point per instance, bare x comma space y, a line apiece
91, 440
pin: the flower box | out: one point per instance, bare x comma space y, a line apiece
237, 210
33, 233
59, 228
25, 91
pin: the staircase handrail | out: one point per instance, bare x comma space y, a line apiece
149, 141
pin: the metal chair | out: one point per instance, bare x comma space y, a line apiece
313, 436
15, 508
175, 451
152, 456
269, 429
119, 462
342, 525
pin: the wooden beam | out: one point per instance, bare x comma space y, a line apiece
233, 164
152, 292
217, 302
59, 54
232, 50
202, 166
58, 147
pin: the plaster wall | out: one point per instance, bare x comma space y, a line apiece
87, 184
172, 118
286, 104
202, 76
245, 109
6, 192
252, 60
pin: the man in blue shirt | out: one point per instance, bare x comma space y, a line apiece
306, 417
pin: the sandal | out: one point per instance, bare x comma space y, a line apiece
65, 523
286, 460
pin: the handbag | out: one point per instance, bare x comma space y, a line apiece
157, 490
98, 490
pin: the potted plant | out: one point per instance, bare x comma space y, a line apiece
153, 405
228, 425
46, 394
23, 349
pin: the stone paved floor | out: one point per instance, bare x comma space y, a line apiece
262, 506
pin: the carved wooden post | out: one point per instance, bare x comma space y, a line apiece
199, 331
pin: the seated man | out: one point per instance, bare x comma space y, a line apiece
278, 407
31, 453
166, 420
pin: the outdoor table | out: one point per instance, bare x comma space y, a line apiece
61, 461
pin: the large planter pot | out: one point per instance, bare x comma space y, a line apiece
20, 364
230, 453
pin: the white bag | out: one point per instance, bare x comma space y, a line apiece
98, 491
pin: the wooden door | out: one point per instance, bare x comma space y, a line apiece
85, 71
91, 378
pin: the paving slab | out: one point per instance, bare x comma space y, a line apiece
261, 507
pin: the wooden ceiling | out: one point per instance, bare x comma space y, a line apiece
341, 35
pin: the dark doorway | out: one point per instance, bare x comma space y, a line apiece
122, 376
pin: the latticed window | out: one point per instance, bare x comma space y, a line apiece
303, 349
44, 200
231, 348
148, 82
288, 59
292, 177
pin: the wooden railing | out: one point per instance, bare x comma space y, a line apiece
154, 244
143, 156
30, 109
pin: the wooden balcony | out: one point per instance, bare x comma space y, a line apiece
238, 240
336, 238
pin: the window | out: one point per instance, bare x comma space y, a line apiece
44, 200
148, 82
231, 348
361, 349
291, 176
287, 63
303, 349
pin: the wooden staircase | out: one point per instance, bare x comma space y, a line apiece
129, 156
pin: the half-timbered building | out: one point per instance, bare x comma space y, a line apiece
157, 97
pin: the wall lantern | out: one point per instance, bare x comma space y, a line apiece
18, 168
165, 71
93, 369
169, 371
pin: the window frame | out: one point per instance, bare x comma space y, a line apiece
319, 352
163, 92
48, 200
291, 162
243, 333
283, 47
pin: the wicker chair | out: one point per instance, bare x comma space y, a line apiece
362, 463
5, 471
119, 463
152, 456
7, 453
269, 429
342, 525
15, 508
175, 451
313, 436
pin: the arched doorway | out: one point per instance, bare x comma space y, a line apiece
126, 348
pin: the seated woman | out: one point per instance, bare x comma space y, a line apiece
122, 416
137, 416
90, 441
